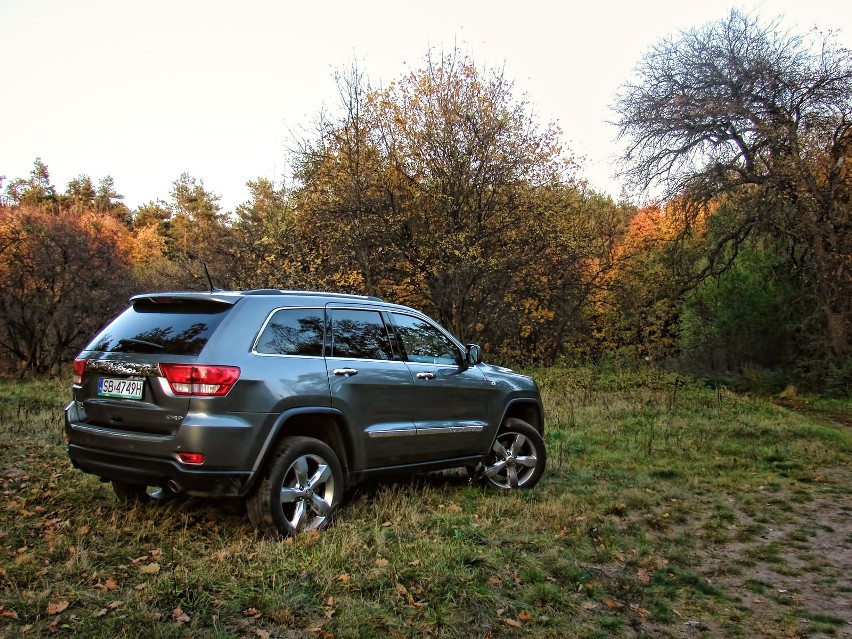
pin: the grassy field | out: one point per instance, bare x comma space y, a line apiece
669, 509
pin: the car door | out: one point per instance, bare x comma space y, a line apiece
372, 386
451, 400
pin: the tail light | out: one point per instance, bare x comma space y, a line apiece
79, 368
196, 459
205, 381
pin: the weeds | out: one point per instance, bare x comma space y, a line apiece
667, 505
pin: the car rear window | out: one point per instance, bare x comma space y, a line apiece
176, 327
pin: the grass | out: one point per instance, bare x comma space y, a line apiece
666, 505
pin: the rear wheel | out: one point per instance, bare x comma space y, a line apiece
517, 457
301, 489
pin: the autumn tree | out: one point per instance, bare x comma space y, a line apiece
742, 110
443, 192
62, 274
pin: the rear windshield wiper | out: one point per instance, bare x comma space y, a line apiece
141, 342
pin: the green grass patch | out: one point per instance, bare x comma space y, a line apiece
659, 491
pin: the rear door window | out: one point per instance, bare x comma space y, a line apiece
175, 327
359, 334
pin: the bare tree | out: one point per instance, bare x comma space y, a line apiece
742, 111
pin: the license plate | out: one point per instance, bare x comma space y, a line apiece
124, 388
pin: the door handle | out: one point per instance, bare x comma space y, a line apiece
346, 372
425, 375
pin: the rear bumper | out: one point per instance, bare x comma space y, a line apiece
155, 471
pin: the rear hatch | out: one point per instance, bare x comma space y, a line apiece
120, 377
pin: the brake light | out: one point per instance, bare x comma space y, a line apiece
206, 381
191, 458
79, 368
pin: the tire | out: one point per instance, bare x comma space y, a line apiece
301, 489
516, 459
130, 494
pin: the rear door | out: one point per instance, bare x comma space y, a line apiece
372, 386
121, 387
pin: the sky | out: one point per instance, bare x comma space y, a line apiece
145, 90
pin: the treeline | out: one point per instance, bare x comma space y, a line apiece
443, 191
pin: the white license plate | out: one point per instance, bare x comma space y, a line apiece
125, 388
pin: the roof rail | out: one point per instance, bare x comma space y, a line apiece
276, 291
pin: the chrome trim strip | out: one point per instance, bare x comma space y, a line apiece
112, 367
116, 434
378, 432
450, 430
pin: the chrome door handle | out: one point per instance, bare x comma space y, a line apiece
425, 375
346, 372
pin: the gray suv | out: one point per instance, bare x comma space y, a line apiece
288, 398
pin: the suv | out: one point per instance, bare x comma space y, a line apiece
289, 398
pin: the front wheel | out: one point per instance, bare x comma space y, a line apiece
300, 491
517, 457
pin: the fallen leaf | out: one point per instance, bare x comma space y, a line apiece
97, 614
381, 563
524, 616
262, 634
612, 604
180, 616
118, 603
252, 612
642, 612
495, 581
150, 569
512, 623
8, 614
589, 605
56, 608
110, 584
344, 578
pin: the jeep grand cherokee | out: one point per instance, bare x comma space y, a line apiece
288, 398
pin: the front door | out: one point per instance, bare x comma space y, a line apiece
451, 400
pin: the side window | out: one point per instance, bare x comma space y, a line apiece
293, 331
424, 343
359, 334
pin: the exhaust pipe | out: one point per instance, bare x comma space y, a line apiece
173, 486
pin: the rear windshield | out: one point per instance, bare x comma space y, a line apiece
179, 327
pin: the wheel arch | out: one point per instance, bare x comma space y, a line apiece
324, 424
528, 411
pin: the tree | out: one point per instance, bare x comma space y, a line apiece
62, 274
264, 250
742, 111
439, 191
36, 191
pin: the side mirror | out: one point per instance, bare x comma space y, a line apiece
474, 354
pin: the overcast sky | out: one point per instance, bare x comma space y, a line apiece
146, 90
